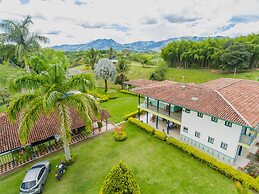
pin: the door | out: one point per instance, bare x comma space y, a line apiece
240, 150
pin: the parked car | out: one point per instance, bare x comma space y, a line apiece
35, 178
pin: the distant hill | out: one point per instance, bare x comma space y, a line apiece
139, 46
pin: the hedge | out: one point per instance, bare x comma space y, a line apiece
142, 125
160, 135
129, 92
132, 114
205, 158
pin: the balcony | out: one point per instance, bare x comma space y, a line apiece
176, 117
246, 139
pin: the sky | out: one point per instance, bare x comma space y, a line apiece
81, 21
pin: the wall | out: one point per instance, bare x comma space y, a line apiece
218, 131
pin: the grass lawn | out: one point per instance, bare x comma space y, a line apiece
158, 168
120, 106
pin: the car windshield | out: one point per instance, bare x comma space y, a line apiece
38, 166
28, 185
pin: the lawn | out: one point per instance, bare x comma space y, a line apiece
120, 106
158, 168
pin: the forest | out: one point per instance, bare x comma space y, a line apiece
227, 54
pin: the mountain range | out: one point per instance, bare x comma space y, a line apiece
139, 46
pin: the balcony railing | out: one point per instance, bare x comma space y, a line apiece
174, 115
247, 139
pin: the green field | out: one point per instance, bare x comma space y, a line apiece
157, 166
120, 106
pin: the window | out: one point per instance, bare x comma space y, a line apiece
214, 119
227, 123
187, 110
185, 129
200, 114
197, 134
211, 140
41, 173
224, 145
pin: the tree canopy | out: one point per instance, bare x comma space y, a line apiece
220, 53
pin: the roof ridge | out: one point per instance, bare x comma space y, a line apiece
239, 114
238, 80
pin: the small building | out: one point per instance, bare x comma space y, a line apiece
46, 130
219, 117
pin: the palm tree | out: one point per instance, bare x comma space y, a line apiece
92, 57
122, 68
52, 91
18, 34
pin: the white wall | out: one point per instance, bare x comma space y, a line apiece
218, 131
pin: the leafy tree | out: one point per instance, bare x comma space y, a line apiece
122, 68
18, 34
120, 180
111, 53
159, 74
105, 69
52, 92
236, 55
92, 57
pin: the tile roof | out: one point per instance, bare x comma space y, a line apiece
140, 82
44, 128
233, 100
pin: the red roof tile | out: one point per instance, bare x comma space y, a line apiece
235, 100
140, 82
44, 128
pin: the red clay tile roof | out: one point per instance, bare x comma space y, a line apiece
235, 100
140, 82
44, 128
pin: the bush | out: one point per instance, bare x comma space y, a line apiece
120, 136
133, 114
142, 125
120, 180
129, 92
69, 162
160, 135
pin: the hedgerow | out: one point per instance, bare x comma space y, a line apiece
213, 163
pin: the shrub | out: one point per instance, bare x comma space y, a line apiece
120, 180
133, 114
252, 170
242, 188
160, 135
142, 125
129, 92
121, 136
100, 97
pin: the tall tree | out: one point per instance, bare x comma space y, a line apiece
122, 68
18, 34
111, 53
92, 57
52, 92
105, 69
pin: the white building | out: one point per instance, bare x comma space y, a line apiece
219, 117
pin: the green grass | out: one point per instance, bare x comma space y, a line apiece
158, 168
3, 108
120, 106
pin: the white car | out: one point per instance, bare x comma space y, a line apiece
35, 178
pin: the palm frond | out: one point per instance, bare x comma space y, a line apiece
29, 118
32, 81
18, 104
50, 99
82, 82
84, 107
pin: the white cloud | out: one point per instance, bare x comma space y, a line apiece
80, 21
